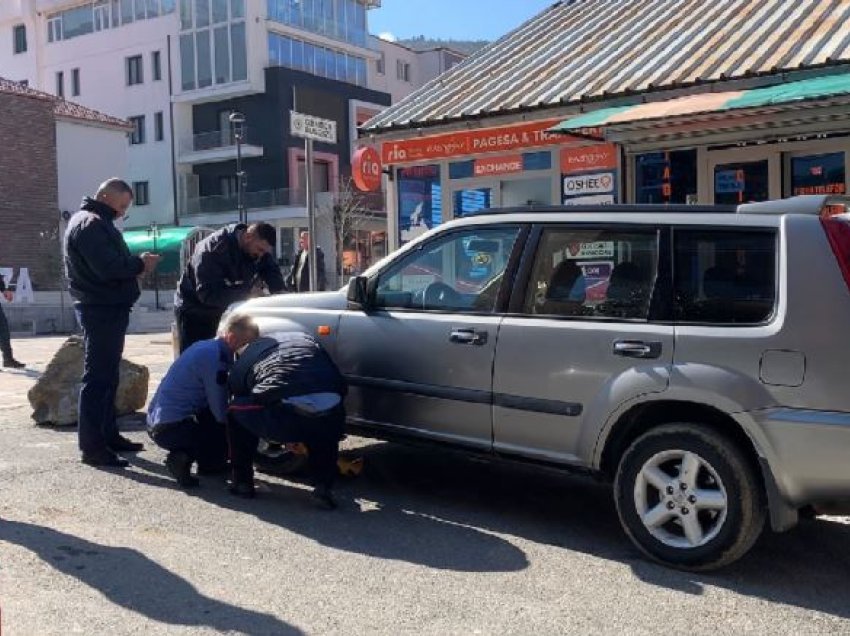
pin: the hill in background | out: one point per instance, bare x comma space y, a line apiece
420, 43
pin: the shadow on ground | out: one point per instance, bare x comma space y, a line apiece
130, 579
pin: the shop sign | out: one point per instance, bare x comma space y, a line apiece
589, 158
729, 181
594, 199
827, 188
600, 183
505, 164
366, 169
473, 142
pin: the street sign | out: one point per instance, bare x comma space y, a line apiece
310, 127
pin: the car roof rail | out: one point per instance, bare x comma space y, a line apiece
811, 204
633, 208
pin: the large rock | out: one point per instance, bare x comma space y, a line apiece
54, 397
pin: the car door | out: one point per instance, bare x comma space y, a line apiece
420, 360
578, 342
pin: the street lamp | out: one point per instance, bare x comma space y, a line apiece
237, 122
154, 232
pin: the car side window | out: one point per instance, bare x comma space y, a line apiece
594, 273
459, 271
724, 276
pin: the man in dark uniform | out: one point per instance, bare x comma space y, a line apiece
104, 283
225, 268
299, 278
5, 339
286, 389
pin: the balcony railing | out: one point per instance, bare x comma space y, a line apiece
218, 139
253, 201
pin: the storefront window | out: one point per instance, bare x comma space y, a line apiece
666, 177
743, 182
471, 201
419, 201
818, 174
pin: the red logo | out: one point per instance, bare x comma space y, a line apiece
366, 169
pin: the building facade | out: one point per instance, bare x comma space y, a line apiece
638, 101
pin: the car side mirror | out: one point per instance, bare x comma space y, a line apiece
358, 292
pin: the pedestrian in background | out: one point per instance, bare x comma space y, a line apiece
299, 277
5, 339
225, 268
104, 284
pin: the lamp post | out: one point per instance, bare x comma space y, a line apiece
237, 121
154, 232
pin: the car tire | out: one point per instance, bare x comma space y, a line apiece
704, 519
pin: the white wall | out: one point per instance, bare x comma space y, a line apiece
20, 66
388, 82
87, 155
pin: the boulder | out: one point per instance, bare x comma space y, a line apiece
54, 397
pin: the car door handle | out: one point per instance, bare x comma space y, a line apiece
468, 336
637, 349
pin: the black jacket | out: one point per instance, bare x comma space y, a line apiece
220, 273
100, 268
295, 364
300, 281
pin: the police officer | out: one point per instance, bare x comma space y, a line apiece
187, 413
286, 389
103, 278
5, 339
225, 268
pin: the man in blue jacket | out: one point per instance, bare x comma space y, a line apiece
188, 412
104, 284
225, 268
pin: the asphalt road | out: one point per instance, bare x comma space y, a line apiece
425, 542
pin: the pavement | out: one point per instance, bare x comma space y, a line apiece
425, 542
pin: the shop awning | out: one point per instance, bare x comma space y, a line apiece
168, 244
787, 94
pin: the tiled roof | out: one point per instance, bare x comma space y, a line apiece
62, 108
584, 50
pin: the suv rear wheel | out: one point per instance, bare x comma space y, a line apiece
687, 497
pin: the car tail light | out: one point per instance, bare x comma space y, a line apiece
838, 232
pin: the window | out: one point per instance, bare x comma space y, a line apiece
138, 134
202, 42
594, 273
818, 174
60, 84
666, 177
54, 28
101, 15
78, 21
135, 70
156, 65
222, 55
381, 64
419, 200
141, 195
228, 186
472, 200
403, 71
19, 33
187, 61
75, 82
736, 183
158, 127
724, 276
462, 271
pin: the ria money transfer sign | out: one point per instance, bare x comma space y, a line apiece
589, 175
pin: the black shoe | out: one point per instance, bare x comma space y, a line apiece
213, 469
122, 444
179, 464
324, 498
105, 459
244, 489
11, 363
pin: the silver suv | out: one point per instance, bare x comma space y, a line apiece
694, 356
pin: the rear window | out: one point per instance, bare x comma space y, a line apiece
724, 276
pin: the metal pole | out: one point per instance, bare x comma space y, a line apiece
311, 214
155, 274
243, 217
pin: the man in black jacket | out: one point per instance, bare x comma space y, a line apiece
103, 278
224, 268
299, 278
5, 340
286, 389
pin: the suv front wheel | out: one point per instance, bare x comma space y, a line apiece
687, 497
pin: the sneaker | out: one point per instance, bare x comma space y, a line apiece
179, 464
105, 459
122, 444
324, 498
11, 363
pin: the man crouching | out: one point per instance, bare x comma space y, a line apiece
188, 411
286, 389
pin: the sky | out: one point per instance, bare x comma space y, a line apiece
453, 19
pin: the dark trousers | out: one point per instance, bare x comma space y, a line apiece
5, 339
201, 437
193, 326
321, 436
104, 329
